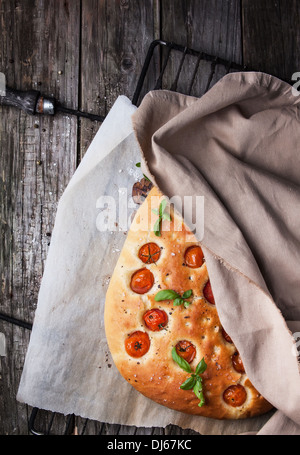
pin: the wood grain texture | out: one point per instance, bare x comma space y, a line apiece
115, 36
213, 27
271, 36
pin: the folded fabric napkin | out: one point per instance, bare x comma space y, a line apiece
237, 147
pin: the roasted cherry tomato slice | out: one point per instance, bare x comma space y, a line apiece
226, 336
193, 257
149, 253
208, 294
155, 319
142, 281
237, 363
235, 395
137, 344
186, 350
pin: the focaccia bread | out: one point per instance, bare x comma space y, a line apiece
149, 332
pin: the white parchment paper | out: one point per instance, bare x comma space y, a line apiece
68, 367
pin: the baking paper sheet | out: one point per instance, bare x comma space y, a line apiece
68, 367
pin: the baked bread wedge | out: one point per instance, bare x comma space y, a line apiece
162, 325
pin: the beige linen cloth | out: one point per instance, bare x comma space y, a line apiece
238, 147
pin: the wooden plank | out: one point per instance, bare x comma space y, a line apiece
213, 27
271, 36
38, 157
115, 38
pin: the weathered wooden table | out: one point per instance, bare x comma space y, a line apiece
85, 53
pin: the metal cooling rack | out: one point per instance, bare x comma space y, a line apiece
195, 72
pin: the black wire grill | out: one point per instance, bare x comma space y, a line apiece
180, 69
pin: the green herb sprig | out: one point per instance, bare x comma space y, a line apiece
162, 215
145, 176
195, 380
169, 294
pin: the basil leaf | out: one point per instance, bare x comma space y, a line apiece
166, 216
166, 294
138, 164
162, 207
197, 389
178, 301
201, 367
161, 215
156, 228
202, 400
188, 384
180, 361
186, 304
187, 294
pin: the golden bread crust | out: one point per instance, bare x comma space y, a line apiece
155, 374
